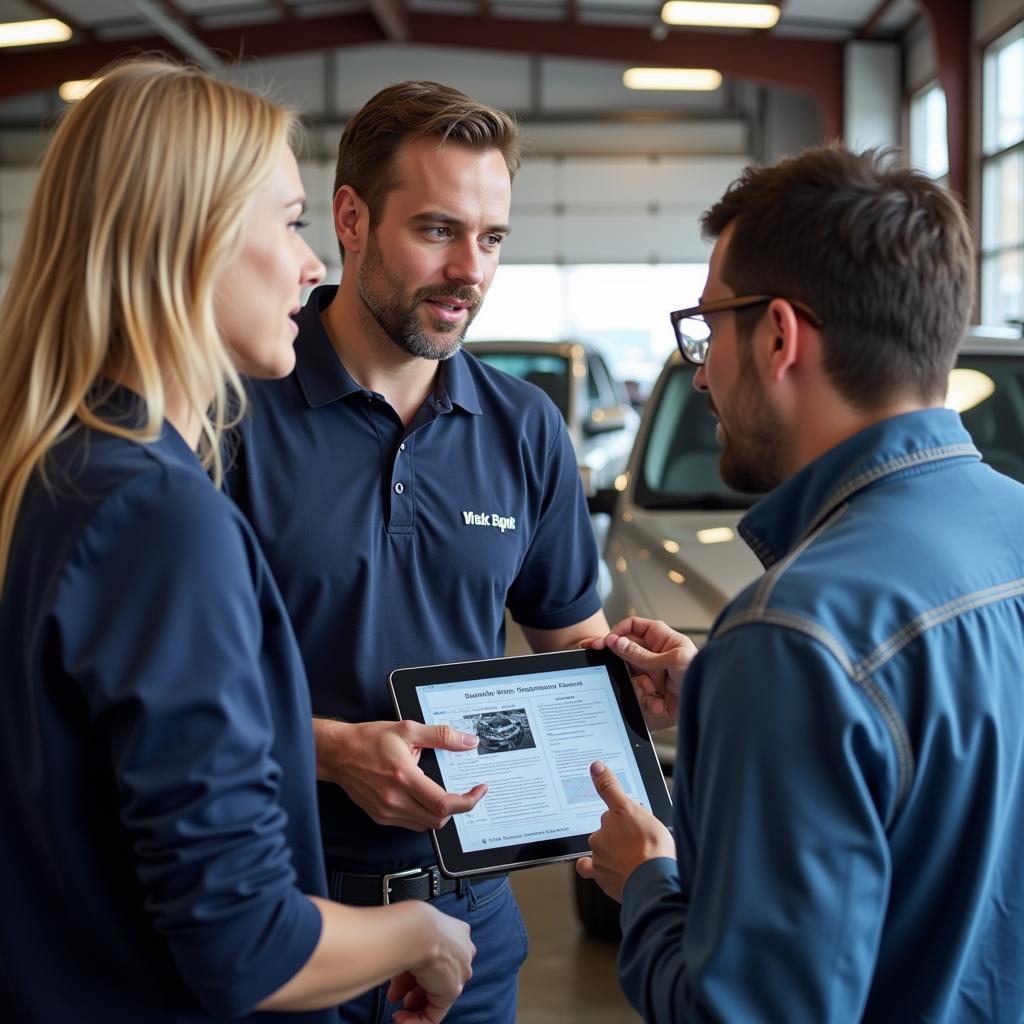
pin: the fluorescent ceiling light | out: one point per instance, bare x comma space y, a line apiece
719, 15
76, 89
32, 33
689, 79
715, 535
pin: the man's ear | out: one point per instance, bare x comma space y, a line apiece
351, 219
786, 348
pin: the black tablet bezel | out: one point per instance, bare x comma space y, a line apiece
451, 858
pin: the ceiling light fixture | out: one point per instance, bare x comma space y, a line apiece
719, 15
76, 89
689, 79
968, 388
33, 33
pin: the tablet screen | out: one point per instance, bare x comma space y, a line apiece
541, 721
539, 734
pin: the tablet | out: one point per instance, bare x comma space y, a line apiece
541, 721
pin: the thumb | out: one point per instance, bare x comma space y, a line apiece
444, 737
640, 657
607, 786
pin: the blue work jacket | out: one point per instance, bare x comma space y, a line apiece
849, 791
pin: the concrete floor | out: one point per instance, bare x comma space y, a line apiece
568, 978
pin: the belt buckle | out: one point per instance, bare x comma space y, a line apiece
385, 882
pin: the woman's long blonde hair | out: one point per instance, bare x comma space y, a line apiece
139, 205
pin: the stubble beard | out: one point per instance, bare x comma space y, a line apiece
382, 294
751, 460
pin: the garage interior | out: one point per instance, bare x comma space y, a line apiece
614, 178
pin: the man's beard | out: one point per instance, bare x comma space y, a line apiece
382, 294
751, 460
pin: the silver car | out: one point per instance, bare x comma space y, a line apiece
602, 424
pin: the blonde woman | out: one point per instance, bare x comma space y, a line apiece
161, 854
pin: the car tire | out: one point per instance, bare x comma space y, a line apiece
598, 913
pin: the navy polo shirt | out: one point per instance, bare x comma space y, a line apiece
158, 803
398, 546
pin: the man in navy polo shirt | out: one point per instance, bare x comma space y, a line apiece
405, 494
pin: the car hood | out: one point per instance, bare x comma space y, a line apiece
672, 574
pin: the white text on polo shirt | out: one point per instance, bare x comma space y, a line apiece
503, 523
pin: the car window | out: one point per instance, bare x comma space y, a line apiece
549, 373
988, 392
605, 389
679, 464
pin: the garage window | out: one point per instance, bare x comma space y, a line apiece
928, 148
1002, 180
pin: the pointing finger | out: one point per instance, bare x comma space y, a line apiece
607, 786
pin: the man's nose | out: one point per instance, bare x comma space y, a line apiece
465, 264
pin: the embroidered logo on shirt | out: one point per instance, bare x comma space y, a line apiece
503, 523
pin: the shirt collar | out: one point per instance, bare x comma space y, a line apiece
323, 378
457, 384
783, 518
320, 373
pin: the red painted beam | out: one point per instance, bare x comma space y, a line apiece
814, 67
28, 70
951, 30
811, 66
392, 17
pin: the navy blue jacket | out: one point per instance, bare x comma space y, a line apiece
849, 793
158, 808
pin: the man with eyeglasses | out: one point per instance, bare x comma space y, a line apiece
849, 787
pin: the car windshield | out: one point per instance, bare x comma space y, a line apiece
988, 392
550, 373
679, 465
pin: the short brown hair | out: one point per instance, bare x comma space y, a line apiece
413, 110
881, 252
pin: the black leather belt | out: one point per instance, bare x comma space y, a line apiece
380, 890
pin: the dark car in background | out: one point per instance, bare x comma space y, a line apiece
602, 424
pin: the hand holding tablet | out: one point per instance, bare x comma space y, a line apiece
541, 721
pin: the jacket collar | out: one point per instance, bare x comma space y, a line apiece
122, 407
900, 445
323, 378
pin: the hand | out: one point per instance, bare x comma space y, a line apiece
657, 657
427, 992
377, 764
629, 835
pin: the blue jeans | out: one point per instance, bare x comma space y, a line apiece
499, 935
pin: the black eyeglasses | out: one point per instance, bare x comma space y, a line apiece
693, 333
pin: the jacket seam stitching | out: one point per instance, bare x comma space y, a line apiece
764, 589
934, 617
894, 465
890, 716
